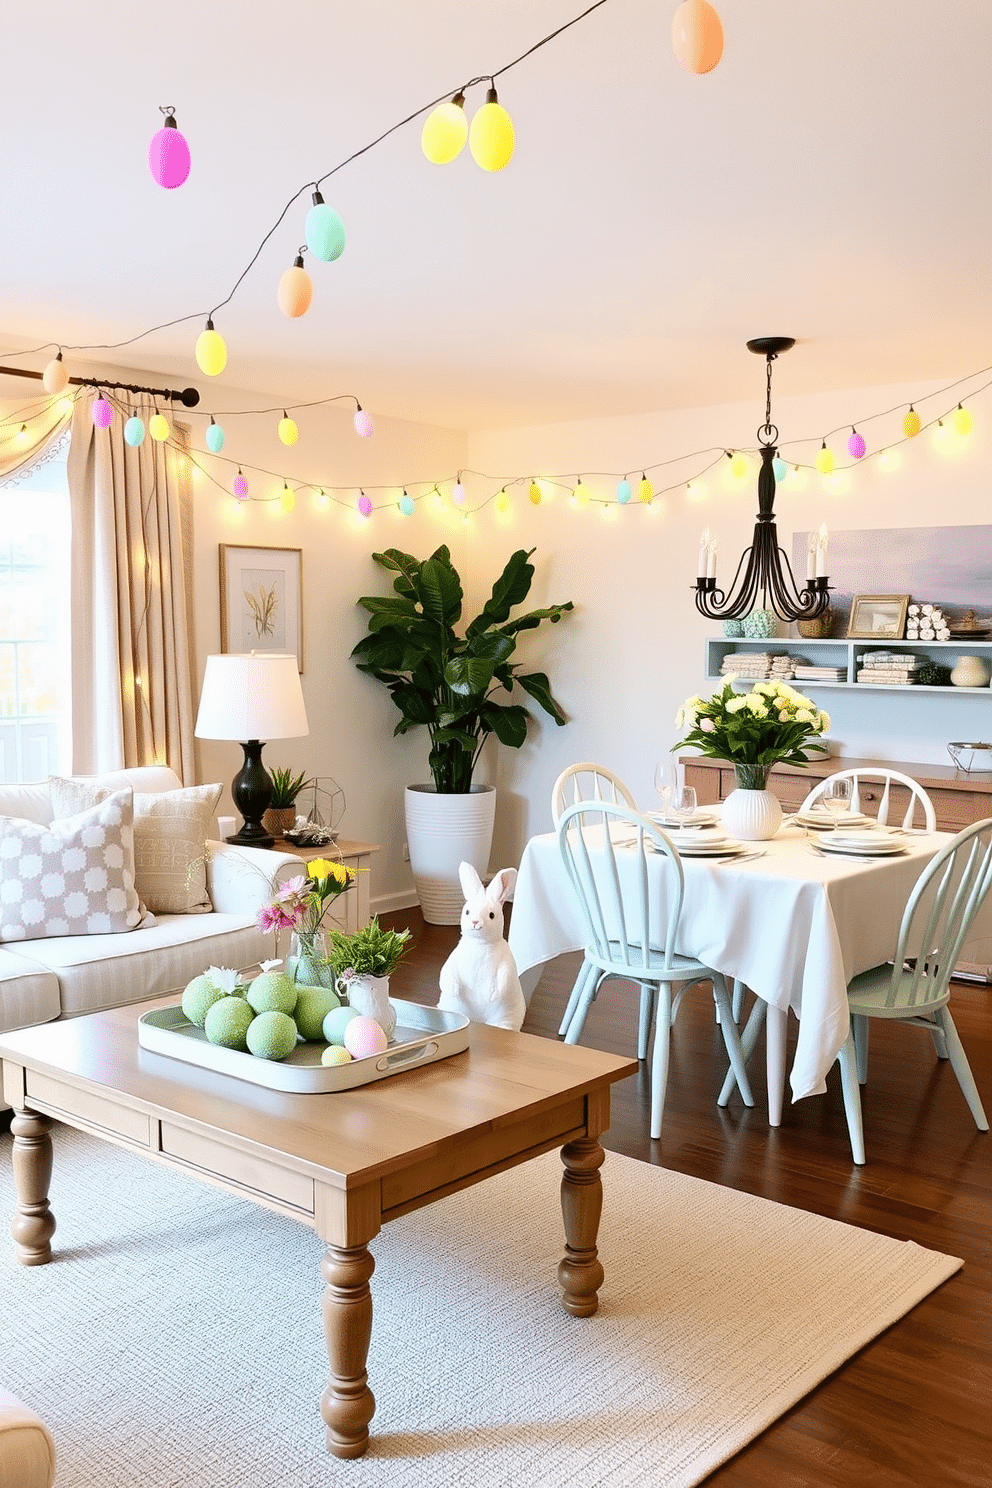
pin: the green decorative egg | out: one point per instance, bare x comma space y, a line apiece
271, 1035
198, 998
272, 992
733, 627
227, 1022
312, 1006
760, 624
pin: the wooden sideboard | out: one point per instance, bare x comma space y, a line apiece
958, 798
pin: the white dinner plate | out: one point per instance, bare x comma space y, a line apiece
823, 819
883, 847
698, 819
727, 847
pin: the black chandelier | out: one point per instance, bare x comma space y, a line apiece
766, 567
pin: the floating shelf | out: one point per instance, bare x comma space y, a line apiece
845, 653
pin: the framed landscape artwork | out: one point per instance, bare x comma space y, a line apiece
878, 617
261, 600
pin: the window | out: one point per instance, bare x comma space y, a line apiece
34, 623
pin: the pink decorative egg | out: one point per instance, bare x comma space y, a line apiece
363, 1037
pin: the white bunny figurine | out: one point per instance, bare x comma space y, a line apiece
479, 978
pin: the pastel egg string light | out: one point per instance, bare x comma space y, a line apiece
158, 427
911, 423
287, 429
738, 463
963, 422
534, 492
856, 445
295, 290
168, 152
214, 436
210, 350
55, 377
134, 431
406, 504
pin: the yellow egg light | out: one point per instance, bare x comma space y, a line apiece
535, 493
211, 351
445, 131
824, 459
287, 498
502, 501
962, 420
288, 432
490, 137
911, 423
581, 494
738, 464
645, 490
158, 427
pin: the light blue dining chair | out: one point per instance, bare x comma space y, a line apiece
631, 930
586, 781
914, 987
862, 778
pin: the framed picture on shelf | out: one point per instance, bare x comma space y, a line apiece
261, 600
878, 617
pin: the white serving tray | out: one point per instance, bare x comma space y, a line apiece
422, 1035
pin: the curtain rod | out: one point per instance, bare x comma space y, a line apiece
189, 397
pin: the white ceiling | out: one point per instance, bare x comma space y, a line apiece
829, 180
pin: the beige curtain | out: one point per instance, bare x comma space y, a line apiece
44, 421
132, 631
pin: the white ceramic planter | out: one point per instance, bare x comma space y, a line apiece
369, 995
752, 815
441, 832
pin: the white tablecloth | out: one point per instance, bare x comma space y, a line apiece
795, 926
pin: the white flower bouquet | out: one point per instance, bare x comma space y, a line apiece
753, 730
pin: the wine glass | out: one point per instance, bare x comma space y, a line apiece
836, 799
662, 785
682, 804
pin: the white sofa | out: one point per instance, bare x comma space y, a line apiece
64, 976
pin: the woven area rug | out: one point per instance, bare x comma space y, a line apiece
177, 1338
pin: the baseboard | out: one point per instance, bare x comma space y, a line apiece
387, 903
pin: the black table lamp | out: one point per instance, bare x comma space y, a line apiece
252, 698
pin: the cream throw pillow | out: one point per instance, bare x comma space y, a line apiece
74, 877
170, 834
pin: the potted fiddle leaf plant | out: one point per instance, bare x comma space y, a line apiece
451, 682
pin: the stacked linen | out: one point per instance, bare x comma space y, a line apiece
888, 668
784, 667
808, 673
750, 665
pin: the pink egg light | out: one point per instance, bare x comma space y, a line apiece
363, 423
365, 505
855, 444
103, 414
240, 487
168, 153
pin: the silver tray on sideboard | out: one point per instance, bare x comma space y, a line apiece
422, 1035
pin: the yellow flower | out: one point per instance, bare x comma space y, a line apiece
325, 868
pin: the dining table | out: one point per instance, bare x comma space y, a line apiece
792, 922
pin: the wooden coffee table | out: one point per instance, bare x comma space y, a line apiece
342, 1163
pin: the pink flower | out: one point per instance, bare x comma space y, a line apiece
290, 890
270, 919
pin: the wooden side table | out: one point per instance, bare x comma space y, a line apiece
350, 911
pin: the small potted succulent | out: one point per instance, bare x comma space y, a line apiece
281, 813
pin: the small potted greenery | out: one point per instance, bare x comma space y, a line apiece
281, 813
363, 963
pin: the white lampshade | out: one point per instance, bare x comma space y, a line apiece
252, 696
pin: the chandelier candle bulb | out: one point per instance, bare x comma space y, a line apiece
711, 559
704, 543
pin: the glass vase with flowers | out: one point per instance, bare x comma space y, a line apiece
300, 905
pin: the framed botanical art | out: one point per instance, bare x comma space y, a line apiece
878, 617
261, 600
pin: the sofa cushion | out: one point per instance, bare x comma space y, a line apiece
27, 1451
29, 993
161, 957
73, 877
170, 831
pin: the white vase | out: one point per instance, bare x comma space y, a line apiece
443, 831
369, 995
751, 812
970, 671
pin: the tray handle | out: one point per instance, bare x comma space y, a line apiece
403, 1057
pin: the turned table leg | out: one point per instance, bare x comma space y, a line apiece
34, 1223
347, 1405
580, 1273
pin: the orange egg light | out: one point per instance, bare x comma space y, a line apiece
697, 36
295, 292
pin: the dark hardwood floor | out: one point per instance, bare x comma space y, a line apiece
915, 1406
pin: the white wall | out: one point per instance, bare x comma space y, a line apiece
351, 717
634, 648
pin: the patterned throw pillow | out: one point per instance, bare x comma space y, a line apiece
170, 833
75, 877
